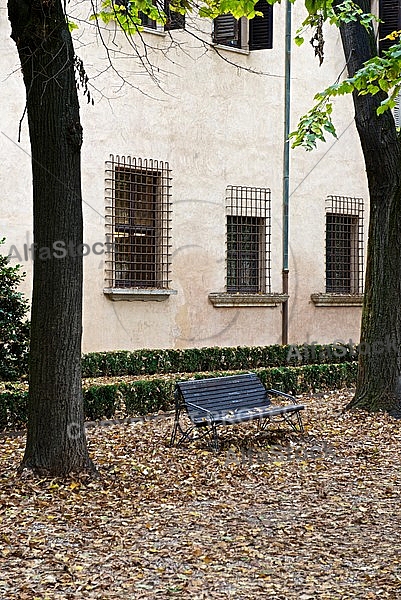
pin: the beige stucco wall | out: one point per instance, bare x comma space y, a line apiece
336, 168
216, 125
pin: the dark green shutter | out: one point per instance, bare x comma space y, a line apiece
389, 12
226, 31
261, 28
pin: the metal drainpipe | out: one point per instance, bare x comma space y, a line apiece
286, 168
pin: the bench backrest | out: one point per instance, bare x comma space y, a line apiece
219, 394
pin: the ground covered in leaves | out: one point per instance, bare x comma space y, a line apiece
273, 516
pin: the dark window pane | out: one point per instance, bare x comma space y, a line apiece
243, 253
135, 227
342, 258
147, 22
175, 20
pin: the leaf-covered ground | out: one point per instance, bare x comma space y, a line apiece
273, 516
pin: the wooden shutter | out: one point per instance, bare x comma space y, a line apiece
389, 12
261, 28
226, 31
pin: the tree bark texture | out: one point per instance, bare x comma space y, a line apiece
56, 442
379, 382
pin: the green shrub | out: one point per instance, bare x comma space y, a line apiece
100, 401
14, 329
13, 408
326, 377
144, 397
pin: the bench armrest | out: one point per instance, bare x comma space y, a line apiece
198, 407
277, 393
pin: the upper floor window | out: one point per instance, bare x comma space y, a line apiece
248, 239
175, 20
138, 223
255, 34
344, 245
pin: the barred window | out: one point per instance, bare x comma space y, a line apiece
138, 223
248, 239
344, 245
255, 34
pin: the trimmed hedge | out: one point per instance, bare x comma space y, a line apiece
100, 401
146, 396
193, 360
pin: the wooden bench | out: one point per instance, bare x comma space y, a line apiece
228, 400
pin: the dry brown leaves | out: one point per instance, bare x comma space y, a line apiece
313, 518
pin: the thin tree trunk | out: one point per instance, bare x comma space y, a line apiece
378, 384
56, 442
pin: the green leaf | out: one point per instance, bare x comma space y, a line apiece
373, 89
71, 25
312, 6
381, 109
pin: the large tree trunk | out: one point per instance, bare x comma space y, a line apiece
378, 383
56, 442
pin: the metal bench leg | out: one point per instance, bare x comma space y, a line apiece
295, 426
174, 433
300, 424
263, 423
177, 429
215, 439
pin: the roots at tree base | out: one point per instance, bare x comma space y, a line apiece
87, 467
389, 403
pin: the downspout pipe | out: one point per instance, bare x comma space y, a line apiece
286, 169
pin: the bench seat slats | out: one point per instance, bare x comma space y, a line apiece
217, 404
240, 416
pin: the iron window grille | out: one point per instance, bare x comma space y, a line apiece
229, 31
138, 223
248, 239
344, 245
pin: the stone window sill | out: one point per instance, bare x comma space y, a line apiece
232, 49
138, 294
325, 299
159, 32
227, 300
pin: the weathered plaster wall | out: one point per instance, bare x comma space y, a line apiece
216, 125
336, 168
